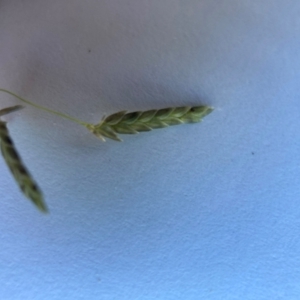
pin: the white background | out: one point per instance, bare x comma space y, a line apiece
204, 211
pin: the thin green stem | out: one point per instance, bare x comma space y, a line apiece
46, 109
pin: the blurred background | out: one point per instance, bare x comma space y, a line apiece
202, 211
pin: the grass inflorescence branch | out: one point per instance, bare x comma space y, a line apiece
122, 122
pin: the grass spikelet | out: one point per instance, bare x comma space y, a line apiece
139, 121
16, 166
8, 110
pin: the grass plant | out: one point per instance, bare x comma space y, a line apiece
122, 122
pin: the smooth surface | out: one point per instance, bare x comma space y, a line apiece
205, 211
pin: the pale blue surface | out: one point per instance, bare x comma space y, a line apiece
206, 211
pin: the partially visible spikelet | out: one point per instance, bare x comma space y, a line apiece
10, 109
135, 122
16, 166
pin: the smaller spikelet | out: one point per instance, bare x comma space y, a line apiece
10, 109
16, 166
139, 121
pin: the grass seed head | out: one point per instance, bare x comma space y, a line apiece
14, 162
140, 121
